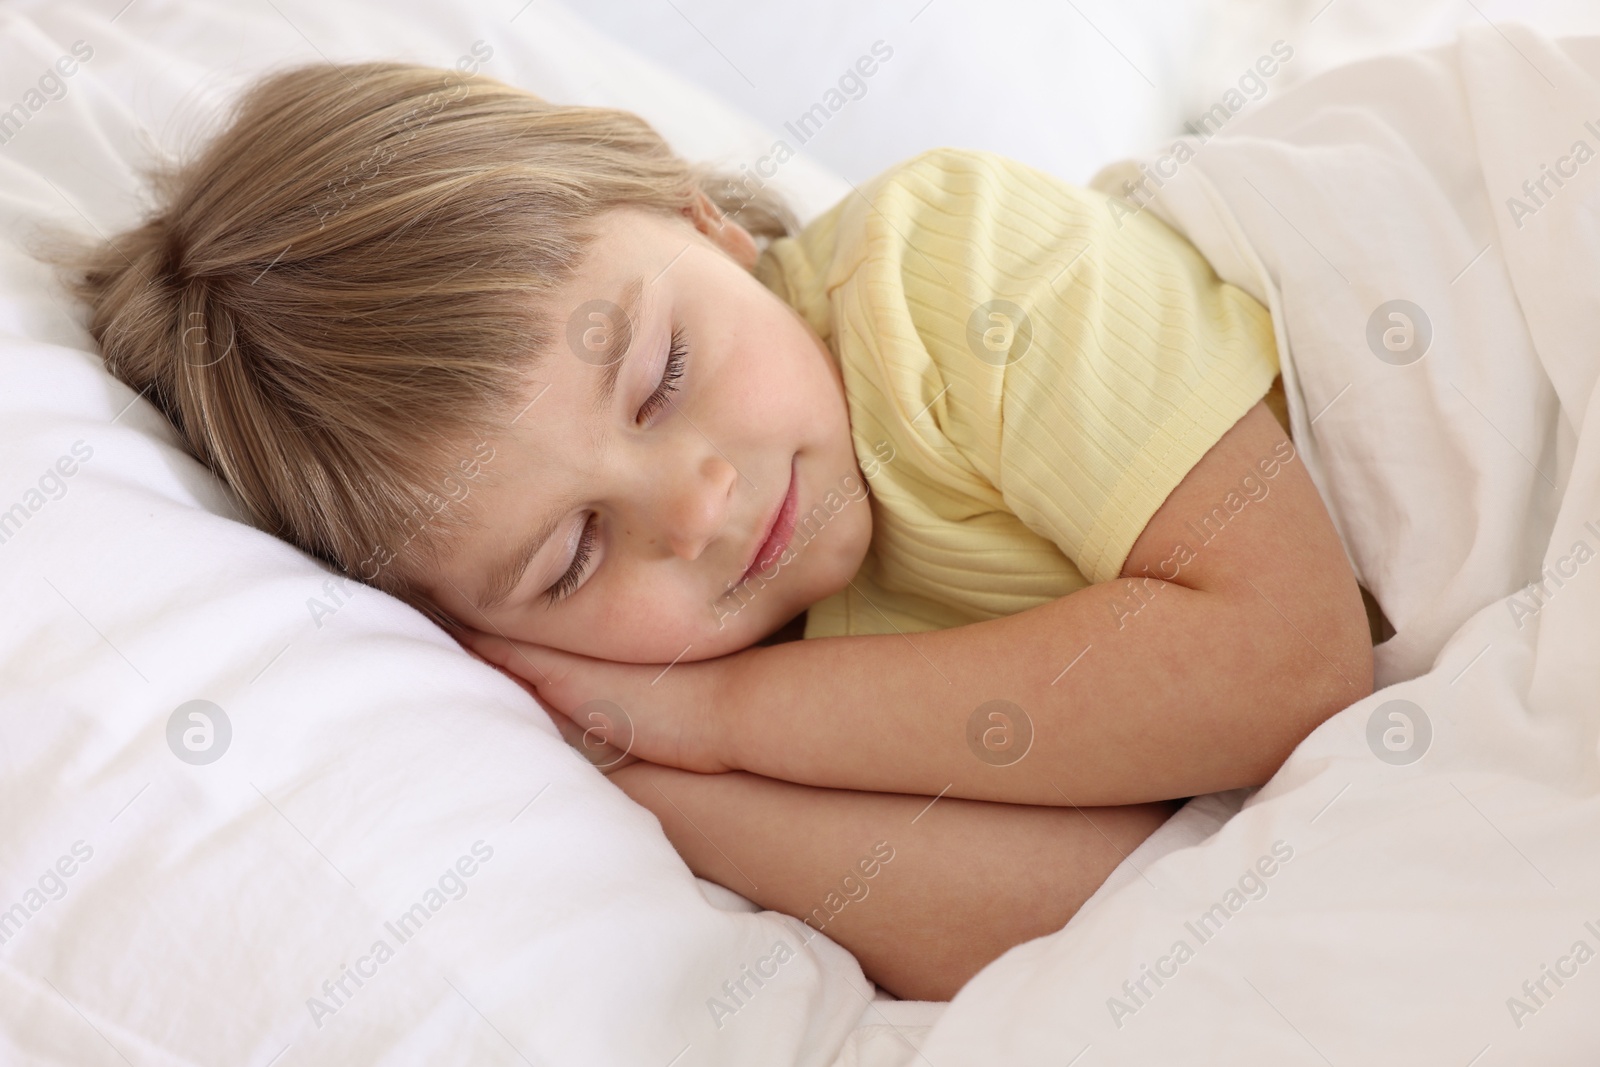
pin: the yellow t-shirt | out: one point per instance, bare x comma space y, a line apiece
1027, 381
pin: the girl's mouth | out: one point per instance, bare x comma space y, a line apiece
779, 530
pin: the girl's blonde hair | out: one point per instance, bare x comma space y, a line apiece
349, 286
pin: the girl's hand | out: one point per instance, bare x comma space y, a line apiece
607, 758
667, 715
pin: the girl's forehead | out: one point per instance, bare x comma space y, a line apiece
630, 239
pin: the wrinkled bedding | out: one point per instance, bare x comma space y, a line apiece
1416, 884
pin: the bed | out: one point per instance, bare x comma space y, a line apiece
252, 814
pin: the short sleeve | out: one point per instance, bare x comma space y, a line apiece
1088, 356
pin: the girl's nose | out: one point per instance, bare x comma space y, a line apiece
696, 505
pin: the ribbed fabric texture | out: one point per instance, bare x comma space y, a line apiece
1032, 440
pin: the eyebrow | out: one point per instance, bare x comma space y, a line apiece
505, 576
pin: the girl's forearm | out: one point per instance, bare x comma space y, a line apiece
923, 897
1193, 692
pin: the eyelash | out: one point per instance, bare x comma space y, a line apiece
676, 357
669, 380
580, 559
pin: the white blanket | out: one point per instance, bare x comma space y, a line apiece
1419, 883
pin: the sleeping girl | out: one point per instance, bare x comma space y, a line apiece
1008, 462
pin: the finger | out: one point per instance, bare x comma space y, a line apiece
468, 639
532, 662
522, 683
478, 644
475, 654
498, 669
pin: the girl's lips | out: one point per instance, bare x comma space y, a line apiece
779, 530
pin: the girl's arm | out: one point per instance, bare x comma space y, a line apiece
924, 896
1136, 689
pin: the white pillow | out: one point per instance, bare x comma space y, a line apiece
367, 769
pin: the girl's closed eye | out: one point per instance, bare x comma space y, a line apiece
568, 583
676, 355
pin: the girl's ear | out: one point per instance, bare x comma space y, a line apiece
723, 231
